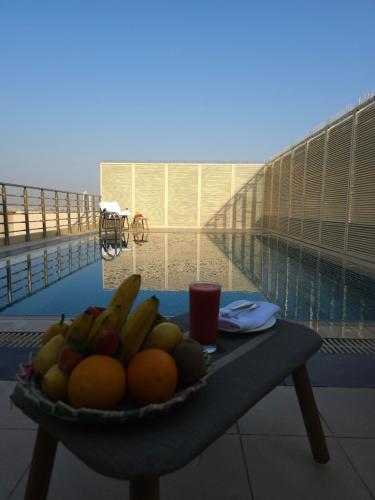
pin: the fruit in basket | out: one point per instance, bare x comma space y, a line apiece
165, 336
109, 319
136, 328
59, 328
151, 376
55, 384
108, 343
125, 295
98, 382
80, 327
159, 319
189, 358
49, 354
69, 359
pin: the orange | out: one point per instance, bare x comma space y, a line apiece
151, 376
97, 382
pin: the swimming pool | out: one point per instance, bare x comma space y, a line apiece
66, 278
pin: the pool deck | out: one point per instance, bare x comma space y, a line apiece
265, 456
326, 329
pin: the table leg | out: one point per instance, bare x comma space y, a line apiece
144, 489
41, 466
310, 414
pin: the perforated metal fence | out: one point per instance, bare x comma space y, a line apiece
322, 189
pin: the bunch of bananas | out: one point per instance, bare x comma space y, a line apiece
112, 331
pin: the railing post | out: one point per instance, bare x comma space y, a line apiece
42, 201
69, 214
26, 210
59, 262
78, 214
93, 210
87, 211
29, 274
9, 282
57, 212
5, 215
70, 258
45, 267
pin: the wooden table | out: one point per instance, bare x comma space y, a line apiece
245, 368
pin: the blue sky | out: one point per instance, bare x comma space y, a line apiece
84, 81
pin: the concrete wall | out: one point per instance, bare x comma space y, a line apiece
187, 195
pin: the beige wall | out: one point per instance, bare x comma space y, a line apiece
187, 195
322, 190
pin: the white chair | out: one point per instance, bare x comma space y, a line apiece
112, 215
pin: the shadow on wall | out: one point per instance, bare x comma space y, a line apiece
244, 210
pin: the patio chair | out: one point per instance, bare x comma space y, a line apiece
112, 218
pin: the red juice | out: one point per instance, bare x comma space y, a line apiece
204, 301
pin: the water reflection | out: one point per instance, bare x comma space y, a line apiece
26, 274
307, 284
170, 261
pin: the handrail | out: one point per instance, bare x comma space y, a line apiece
45, 189
25, 215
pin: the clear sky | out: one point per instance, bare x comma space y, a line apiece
84, 81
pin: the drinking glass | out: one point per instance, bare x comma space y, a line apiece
204, 301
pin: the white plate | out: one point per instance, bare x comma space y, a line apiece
265, 325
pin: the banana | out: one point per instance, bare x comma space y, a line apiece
136, 328
79, 329
109, 319
126, 294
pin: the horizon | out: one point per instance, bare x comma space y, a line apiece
117, 82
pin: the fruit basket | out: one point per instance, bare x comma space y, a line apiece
29, 383
113, 364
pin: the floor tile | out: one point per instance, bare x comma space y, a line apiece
361, 453
276, 414
16, 451
10, 416
348, 412
283, 468
219, 473
232, 430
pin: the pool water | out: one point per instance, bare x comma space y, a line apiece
68, 277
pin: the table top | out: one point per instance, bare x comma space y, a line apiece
245, 368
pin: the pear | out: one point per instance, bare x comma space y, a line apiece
49, 354
55, 329
55, 384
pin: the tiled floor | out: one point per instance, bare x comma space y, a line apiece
265, 456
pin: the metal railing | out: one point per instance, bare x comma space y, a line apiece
30, 213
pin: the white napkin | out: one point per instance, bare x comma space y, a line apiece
246, 319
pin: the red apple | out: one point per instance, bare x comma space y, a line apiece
107, 343
95, 311
69, 359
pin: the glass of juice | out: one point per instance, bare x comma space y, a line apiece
204, 301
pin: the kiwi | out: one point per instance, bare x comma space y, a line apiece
190, 362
